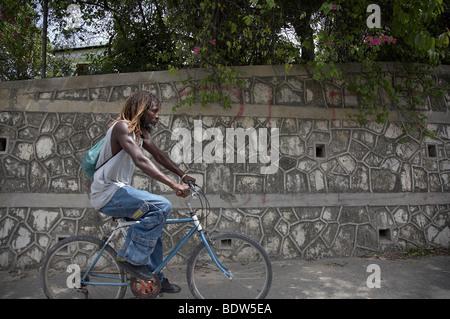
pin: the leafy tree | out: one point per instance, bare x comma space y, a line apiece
407, 34
145, 35
20, 39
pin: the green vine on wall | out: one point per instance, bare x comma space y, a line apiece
407, 87
232, 34
341, 37
214, 87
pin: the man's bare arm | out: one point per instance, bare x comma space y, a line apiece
164, 160
122, 139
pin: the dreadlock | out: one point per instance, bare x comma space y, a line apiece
135, 106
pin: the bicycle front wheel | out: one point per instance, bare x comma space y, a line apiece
64, 270
244, 259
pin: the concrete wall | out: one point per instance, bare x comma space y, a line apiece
339, 189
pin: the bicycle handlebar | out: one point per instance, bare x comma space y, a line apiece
191, 186
196, 192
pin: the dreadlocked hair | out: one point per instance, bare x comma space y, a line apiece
135, 106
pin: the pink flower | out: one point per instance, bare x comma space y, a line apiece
196, 50
330, 42
213, 41
334, 7
375, 41
379, 40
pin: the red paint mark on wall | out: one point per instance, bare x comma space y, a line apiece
333, 94
270, 107
245, 202
238, 94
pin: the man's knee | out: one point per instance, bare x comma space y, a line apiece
161, 203
161, 208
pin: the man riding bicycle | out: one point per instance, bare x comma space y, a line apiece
112, 194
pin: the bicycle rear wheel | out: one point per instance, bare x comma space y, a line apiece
65, 265
245, 259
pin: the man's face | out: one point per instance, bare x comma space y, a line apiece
151, 116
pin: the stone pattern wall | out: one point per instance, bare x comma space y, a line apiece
340, 189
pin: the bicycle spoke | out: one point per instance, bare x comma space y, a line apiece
64, 270
246, 261
239, 268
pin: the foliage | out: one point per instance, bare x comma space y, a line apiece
405, 34
226, 34
21, 43
20, 52
216, 35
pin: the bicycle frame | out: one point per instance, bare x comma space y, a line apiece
197, 227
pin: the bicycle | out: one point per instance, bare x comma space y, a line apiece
225, 265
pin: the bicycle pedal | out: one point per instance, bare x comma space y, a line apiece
145, 289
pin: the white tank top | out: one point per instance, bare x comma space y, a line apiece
117, 172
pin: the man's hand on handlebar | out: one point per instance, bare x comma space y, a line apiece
181, 190
188, 179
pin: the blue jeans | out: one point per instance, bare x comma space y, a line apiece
143, 245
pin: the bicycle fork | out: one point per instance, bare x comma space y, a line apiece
207, 241
224, 269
